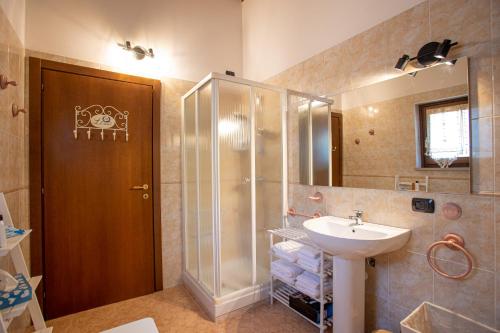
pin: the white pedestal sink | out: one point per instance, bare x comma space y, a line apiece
350, 245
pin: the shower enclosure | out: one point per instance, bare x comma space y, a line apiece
234, 187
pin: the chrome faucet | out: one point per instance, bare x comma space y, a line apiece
357, 217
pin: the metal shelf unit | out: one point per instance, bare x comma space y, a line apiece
281, 290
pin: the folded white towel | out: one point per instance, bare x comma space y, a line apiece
308, 266
309, 292
309, 252
309, 278
312, 264
313, 286
286, 268
284, 278
287, 250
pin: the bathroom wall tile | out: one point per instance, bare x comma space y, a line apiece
374, 204
472, 297
422, 225
482, 168
371, 67
314, 76
377, 283
337, 69
171, 234
410, 279
376, 314
339, 201
397, 313
448, 19
476, 225
480, 84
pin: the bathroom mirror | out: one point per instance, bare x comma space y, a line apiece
409, 133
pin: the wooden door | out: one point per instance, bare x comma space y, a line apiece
98, 234
336, 149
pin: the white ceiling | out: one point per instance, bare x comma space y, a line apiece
278, 34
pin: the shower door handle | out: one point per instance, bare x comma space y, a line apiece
140, 187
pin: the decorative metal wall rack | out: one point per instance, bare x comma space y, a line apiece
100, 118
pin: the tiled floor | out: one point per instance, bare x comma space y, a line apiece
174, 310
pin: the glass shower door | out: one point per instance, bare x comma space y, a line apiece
206, 218
268, 173
190, 186
236, 231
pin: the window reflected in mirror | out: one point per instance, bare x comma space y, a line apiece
444, 129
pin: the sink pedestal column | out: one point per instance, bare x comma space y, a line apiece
348, 295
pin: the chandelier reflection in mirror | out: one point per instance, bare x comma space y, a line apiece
234, 129
100, 118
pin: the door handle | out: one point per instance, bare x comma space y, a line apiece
140, 187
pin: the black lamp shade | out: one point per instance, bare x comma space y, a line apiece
443, 49
402, 62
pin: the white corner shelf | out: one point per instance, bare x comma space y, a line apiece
9, 313
13, 249
13, 242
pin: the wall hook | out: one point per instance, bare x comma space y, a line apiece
4, 82
88, 133
16, 110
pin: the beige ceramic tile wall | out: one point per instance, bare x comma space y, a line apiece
403, 279
170, 129
13, 140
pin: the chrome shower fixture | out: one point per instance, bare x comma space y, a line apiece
140, 52
430, 54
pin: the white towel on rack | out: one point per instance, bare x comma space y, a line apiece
313, 264
309, 279
285, 268
313, 291
309, 292
287, 250
309, 252
284, 278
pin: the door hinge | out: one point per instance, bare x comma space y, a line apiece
43, 87
43, 191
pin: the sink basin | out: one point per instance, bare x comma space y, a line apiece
350, 245
339, 237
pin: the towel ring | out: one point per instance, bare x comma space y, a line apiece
453, 242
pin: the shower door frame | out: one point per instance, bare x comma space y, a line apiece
214, 79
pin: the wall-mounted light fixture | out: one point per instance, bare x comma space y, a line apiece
140, 52
430, 54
